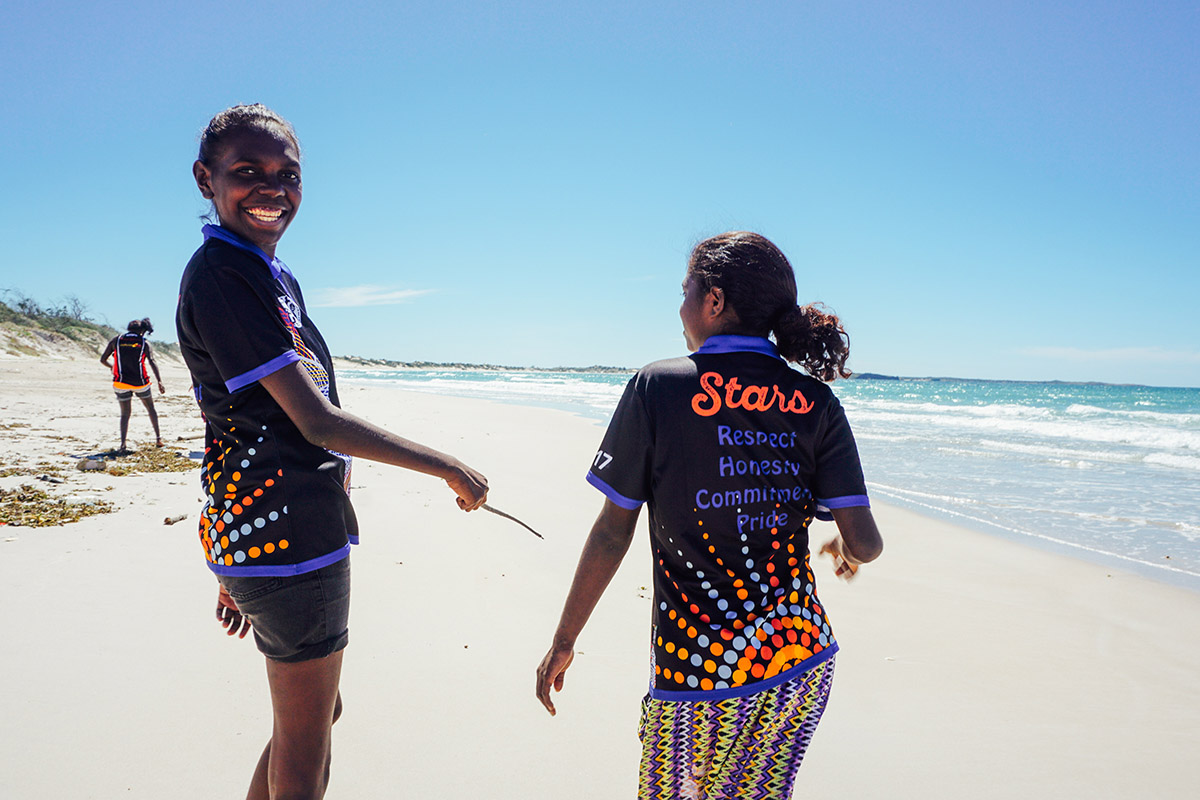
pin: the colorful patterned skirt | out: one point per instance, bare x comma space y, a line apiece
747, 748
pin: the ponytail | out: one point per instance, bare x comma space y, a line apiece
814, 338
141, 326
760, 286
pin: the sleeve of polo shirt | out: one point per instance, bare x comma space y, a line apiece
839, 477
239, 322
621, 468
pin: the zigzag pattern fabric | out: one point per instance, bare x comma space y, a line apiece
748, 748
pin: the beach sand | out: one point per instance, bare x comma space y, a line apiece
970, 666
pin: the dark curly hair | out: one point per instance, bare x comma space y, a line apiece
235, 118
141, 326
760, 286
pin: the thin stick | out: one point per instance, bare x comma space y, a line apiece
500, 513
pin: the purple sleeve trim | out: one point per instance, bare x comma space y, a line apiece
284, 570
754, 688
274, 365
847, 501
627, 503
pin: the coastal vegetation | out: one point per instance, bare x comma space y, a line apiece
29, 328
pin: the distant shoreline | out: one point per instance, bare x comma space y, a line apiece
873, 376
29, 330
386, 363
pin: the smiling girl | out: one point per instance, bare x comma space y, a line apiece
277, 524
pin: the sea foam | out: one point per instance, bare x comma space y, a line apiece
1105, 470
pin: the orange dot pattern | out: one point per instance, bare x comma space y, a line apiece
242, 520
732, 622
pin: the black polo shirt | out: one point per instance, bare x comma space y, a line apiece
734, 452
129, 362
277, 504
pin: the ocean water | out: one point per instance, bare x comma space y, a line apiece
1108, 473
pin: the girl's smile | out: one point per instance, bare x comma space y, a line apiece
254, 182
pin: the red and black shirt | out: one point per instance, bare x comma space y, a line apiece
129, 361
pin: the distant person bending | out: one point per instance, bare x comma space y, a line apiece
132, 352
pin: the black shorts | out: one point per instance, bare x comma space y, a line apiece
298, 617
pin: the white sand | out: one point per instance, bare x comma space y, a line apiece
970, 667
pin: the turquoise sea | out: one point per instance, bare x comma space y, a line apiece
1108, 473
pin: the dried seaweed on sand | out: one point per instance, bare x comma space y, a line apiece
146, 459
35, 508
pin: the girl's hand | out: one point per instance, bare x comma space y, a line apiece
844, 566
229, 615
470, 486
550, 673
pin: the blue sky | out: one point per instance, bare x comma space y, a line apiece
1003, 190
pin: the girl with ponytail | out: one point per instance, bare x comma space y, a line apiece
735, 453
760, 286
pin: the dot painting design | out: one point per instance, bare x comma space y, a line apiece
238, 521
319, 375
311, 365
734, 621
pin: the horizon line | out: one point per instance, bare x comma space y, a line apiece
389, 363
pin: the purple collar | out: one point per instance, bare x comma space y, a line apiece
228, 236
731, 343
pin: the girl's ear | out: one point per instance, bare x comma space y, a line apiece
715, 301
203, 176
722, 315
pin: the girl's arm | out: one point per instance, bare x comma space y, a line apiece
154, 366
108, 351
328, 426
857, 543
602, 554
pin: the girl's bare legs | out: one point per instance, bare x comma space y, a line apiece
258, 784
306, 703
148, 402
126, 407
